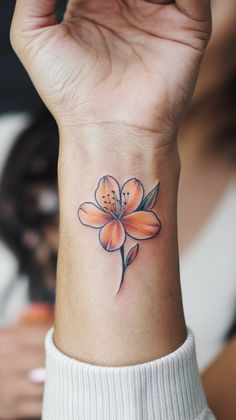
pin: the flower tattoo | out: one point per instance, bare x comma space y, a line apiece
119, 212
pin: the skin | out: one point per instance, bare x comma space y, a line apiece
21, 350
94, 86
132, 66
131, 43
219, 383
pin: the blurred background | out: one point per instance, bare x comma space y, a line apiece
29, 222
31, 167
28, 231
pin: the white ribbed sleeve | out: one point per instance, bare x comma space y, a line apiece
165, 389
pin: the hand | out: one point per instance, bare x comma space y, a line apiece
131, 62
21, 351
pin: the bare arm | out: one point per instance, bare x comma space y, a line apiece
219, 381
134, 313
117, 77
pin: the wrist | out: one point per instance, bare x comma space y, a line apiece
90, 152
120, 145
88, 276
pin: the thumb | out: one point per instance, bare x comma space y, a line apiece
30, 15
196, 9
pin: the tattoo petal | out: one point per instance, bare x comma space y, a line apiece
141, 224
91, 215
131, 195
120, 212
107, 194
112, 235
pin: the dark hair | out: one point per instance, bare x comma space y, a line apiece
29, 204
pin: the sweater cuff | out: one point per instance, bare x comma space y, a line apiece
168, 388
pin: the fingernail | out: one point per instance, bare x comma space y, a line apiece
37, 376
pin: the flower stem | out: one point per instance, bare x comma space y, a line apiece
123, 267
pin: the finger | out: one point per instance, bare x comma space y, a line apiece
14, 338
15, 390
31, 409
21, 360
36, 13
30, 15
25, 389
196, 9
20, 363
32, 336
28, 390
36, 361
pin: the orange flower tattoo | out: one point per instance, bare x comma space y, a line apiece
120, 212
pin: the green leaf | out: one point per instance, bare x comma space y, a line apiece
149, 201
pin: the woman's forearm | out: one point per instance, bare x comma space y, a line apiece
144, 320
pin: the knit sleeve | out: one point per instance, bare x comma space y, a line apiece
165, 389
